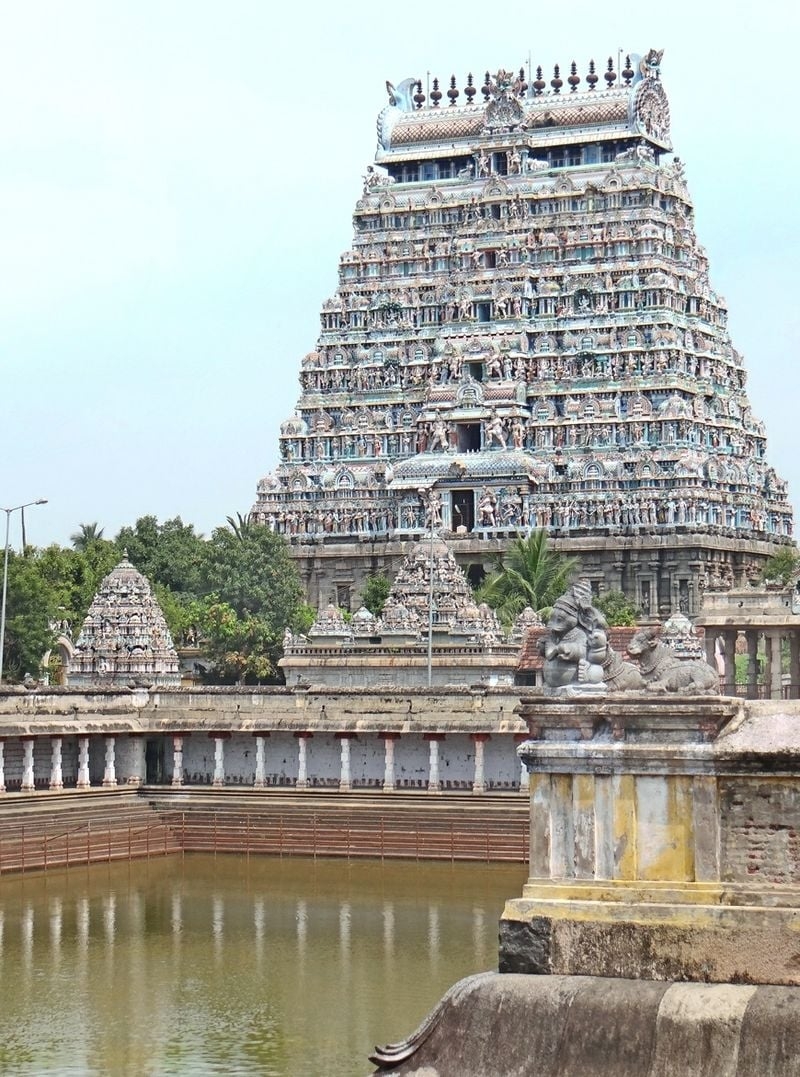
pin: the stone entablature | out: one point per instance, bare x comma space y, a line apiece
525, 319
69, 711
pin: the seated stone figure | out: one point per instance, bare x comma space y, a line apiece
576, 644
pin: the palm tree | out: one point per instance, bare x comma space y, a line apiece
529, 573
85, 536
242, 526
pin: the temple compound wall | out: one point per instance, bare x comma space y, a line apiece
524, 334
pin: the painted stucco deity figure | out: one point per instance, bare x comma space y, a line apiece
438, 437
486, 509
433, 508
496, 431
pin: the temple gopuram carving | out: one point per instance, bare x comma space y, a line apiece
124, 639
524, 334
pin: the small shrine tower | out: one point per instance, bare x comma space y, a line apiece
124, 639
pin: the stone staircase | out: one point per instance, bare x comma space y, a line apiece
57, 829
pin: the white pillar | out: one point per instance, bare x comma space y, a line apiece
302, 762
388, 765
2, 767
219, 761
83, 781
479, 781
345, 784
177, 760
136, 754
28, 784
110, 773
524, 779
56, 771
260, 780
433, 767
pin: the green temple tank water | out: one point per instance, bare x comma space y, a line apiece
233, 965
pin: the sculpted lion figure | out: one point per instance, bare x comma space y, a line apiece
651, 64
663, 671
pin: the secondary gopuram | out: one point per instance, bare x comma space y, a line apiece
525, 334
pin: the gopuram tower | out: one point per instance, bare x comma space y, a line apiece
524, 334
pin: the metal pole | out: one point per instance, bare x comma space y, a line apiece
39, 501
5, 590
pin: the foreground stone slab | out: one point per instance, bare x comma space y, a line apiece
494, 1025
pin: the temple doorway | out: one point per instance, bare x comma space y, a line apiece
463, 509
469, 437
154, 761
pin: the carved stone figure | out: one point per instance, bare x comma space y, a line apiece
576, 643
663, 671
619, 675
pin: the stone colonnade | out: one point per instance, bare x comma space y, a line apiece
720, 645
131, 771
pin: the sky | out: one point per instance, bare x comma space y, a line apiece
177, 183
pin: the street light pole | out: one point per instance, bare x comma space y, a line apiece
20, 508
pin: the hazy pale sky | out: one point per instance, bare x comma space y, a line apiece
177, 182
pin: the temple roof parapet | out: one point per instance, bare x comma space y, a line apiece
627, 103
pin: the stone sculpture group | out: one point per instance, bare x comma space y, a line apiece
579, 660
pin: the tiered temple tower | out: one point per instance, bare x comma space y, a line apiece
524, 334
124, 639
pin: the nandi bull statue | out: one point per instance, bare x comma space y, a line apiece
578, 659
664, 671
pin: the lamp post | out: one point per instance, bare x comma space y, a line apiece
16, 508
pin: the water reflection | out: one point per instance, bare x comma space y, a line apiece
220, 966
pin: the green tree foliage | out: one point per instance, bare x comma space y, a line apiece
375, 592
529, 573
30, 608
85, 536
617, 608
234, 594
254, 594
243, 648
171, 554
50, 586
782, 567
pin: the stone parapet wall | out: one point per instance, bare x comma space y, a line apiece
68, 711
601, 1026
